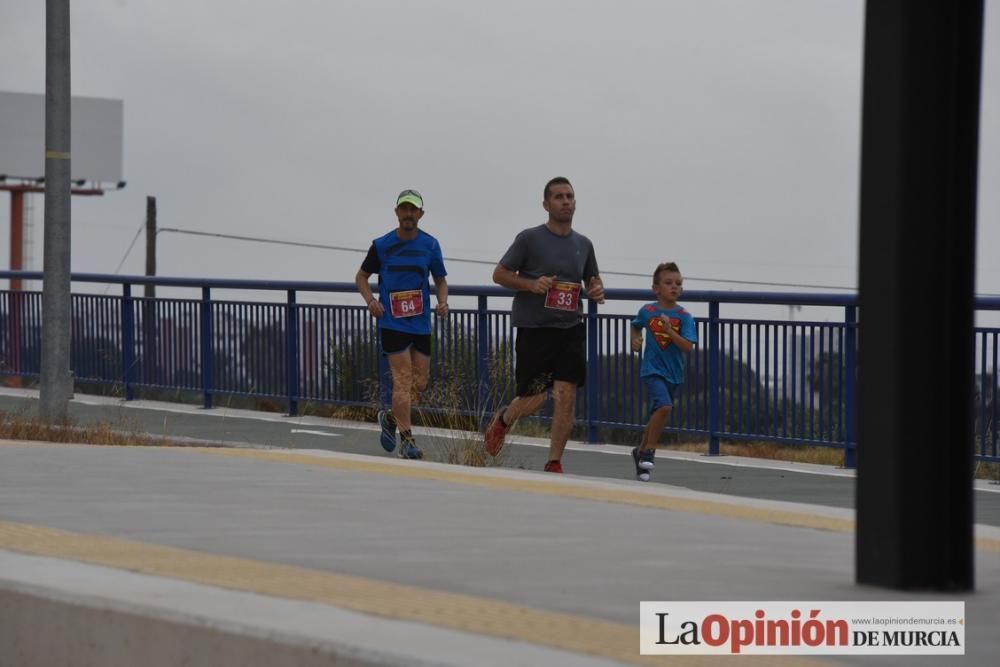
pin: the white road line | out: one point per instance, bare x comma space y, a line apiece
305, 430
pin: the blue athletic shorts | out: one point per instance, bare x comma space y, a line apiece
660, 392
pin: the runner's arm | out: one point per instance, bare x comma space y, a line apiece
511, 280
441, 284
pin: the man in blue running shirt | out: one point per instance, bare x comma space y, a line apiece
403, 260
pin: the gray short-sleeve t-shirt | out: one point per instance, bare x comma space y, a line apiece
538, 251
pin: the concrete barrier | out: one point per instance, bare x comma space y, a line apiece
47, 628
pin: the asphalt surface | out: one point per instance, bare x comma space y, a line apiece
288, 500
752, 478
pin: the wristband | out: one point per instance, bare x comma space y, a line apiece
373, 299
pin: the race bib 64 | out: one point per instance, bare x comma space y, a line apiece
406, 304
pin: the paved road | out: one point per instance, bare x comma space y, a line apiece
752, 478
512, 564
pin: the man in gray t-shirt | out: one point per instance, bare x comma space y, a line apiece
540, 252
551, 267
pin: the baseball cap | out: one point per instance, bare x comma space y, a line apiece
410, 197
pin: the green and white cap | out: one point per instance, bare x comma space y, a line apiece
410, 197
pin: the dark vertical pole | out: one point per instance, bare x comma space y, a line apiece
15, 302
384, 374
207, 349
56, 382
292, 358
714, 388
150, 291
128, 342
593, 401
485, 407
850, 363
150, 326
918, 196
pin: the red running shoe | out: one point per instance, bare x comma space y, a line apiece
553, 466
495, 434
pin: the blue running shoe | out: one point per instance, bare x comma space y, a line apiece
409, 450
388, 424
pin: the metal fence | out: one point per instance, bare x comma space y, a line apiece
748, 379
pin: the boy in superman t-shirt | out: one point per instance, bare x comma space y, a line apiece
670, 334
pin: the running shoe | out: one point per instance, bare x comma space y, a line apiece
409, 450
642, 458
388, 424
495, 434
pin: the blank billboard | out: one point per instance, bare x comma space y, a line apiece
96, 137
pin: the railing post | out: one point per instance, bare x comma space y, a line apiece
485, 406
850, 393
384, 376
714, 388
207, 349
292, 346
128, 341
593, 402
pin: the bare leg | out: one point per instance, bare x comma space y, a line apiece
521, 406
421, 365
564, 395
401, 365
657, 420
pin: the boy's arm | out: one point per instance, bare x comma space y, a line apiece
636, 339
682, 343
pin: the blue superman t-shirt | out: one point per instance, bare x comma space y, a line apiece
403, 268
661, 357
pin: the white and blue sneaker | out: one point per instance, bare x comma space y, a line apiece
645, 461
388, 424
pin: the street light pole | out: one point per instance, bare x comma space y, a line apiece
56, 381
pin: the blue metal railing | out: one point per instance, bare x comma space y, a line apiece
749, 379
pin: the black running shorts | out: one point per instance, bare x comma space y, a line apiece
546, 354
394, 342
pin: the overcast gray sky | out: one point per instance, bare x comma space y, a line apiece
722, 134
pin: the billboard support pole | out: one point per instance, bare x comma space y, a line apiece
56, 383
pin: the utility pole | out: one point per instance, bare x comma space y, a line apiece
56, 380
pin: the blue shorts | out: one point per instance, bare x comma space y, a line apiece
660, 392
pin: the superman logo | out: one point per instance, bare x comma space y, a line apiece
658, 327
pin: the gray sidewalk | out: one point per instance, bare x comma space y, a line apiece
729, 475
584, 548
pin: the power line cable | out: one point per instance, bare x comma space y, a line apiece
325, 246
125, 256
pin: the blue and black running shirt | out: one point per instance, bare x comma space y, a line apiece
403, 268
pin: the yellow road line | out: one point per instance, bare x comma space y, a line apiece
455, 611
540, 486
456, 475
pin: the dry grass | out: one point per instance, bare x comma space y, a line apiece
453, 425
989, 471
457, 438
17, 426
831, 456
